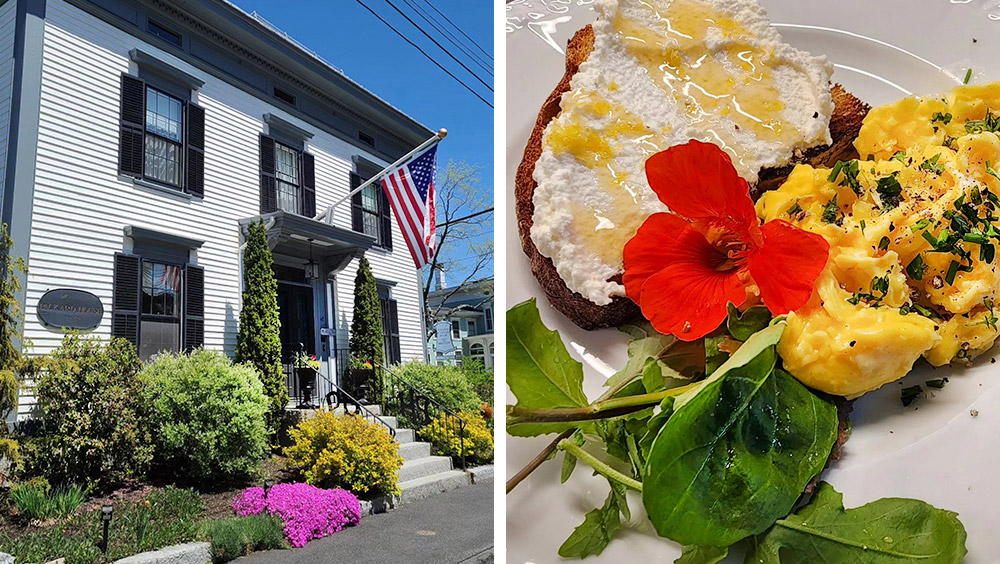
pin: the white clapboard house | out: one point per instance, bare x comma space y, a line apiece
138, 138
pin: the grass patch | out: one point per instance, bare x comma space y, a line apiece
163, 518
35, 500
239, 536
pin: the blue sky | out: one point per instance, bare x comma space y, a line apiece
351, 38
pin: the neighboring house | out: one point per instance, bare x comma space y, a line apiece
138, 138
463, 322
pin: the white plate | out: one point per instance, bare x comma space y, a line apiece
934, 450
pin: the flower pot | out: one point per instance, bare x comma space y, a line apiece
307, 385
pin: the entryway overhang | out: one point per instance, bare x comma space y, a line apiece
299, 236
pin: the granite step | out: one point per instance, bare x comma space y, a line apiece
420, 467
426, 486
405, 436
414, 450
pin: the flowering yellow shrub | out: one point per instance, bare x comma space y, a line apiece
345, 451
444, 436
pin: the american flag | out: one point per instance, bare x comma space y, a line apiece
410, 189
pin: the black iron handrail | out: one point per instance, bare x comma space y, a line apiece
402, 398
346, 399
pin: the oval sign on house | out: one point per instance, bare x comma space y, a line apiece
70, 309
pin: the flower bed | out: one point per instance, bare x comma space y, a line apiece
308, 512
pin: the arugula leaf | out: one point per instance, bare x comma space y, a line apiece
654, 425
701, 554
714, 357
592, 536
741, 326
886, 531
540, 371
645, 343
569, 459
736, 456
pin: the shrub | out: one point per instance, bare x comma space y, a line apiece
445, 384
308, 512
346, 451
258, 342
37, 500
12, 269
208, 416
443, 434
366, 323
480, 379
239, 536
93, 425
165, 517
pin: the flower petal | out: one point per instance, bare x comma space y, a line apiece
698, 181
649, 250
688, 296
787, 266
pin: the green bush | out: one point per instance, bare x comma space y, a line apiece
480, 379
208, 416
239, 536
165, 517
366, 322
93, 423
258, 342
345, 451
37, 500
445, 384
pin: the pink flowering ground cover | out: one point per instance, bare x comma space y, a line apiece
308, 512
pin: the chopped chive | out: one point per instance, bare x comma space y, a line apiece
830, 211
952, 271
930, 238
975, 237
987, 253
883, 243
794, 209
930, 165
907, 395
916, 268
990, 171
943, 118
922, 224
889, 191
968, 75
862, 227
898, 156
936, 383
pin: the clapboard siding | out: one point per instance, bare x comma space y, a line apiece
81, 205
7, 13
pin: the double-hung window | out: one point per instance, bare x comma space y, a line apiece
164, 150
286, 161
371, 212
160, 310
161, 137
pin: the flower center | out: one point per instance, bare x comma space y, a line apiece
733, 250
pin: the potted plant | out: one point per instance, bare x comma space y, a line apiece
306, 366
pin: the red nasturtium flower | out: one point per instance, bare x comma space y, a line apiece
682, 268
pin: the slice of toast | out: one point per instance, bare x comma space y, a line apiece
844, 125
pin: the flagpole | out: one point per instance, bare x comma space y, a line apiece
327, 215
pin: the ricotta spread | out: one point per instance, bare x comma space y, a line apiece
663, 73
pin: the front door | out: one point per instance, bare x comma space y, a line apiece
295, 309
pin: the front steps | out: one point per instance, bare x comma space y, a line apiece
422, 475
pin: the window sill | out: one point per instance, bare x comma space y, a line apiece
160, 188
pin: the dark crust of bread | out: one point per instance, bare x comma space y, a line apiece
844, 125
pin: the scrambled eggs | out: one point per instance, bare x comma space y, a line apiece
913, 228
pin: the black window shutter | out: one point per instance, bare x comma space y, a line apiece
131, 126
393, 353
384, 220
195, 150
308, 185
357, 216
194, 307
125, 298
268, 183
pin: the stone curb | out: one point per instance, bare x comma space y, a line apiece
481, 473
190, 553
483, 557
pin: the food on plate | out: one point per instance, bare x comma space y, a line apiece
645, 77
913, 231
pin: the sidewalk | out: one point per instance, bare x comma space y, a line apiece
454, 527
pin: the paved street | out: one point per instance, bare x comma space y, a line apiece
450, 528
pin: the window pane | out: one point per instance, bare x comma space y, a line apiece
369, 198
161, 289
370, 222
288, 197
163, 115
158, 336
163, 160
287, 164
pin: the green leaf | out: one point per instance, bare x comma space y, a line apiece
645, 343
734, 458
886, 531
654, 425
752, 320
592, 536
652, 376
540, 371
569, 459
702, 554
714, 358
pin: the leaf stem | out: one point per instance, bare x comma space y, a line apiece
601, 409
599, 466
537, 460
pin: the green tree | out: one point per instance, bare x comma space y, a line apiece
11, 324
366, 332
258, 342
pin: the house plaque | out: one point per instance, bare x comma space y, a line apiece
70, 309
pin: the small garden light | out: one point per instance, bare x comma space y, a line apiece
268, 484
107, 511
